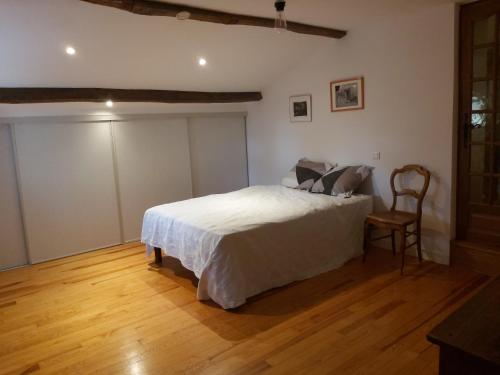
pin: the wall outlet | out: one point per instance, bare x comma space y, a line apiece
376, 156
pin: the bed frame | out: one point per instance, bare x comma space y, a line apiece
158, 256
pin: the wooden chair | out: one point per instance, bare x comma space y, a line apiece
399, 221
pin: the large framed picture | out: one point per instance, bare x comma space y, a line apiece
300, 108
347, 94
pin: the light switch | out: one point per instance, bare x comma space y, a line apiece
376, 156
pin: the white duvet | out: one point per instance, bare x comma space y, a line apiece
242, 243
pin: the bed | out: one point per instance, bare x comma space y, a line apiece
242, 243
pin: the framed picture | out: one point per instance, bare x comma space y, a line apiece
300, 108
347, 94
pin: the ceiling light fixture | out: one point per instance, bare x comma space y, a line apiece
182, 16
70, 50
202, 61
109, 104
280, 20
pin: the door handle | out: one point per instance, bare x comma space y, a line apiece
466, 130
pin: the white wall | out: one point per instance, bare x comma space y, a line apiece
12, 247
407, 59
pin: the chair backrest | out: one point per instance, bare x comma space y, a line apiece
418, 195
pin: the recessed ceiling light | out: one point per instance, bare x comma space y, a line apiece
182, 16
70, 50
202, 61
109, 103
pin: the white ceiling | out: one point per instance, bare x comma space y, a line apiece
121, 50
117, 49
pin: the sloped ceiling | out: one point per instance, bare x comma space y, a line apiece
117, 49
122, 50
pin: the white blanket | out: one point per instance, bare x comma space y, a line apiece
242, 243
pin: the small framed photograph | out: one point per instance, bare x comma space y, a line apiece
347, 94
300, 108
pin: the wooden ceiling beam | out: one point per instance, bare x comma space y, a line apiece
155, 8
25, 95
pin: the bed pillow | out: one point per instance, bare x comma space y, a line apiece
327, 181
308, 172
327, 165
290, 180
342, 179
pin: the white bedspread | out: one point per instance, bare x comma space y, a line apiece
242, 243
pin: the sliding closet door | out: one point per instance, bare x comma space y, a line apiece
153, 167
218, 154
67, 188
12, 248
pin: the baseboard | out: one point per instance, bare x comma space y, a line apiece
84, 251
479, 257
430, 251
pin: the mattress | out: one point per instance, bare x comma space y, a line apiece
245, 242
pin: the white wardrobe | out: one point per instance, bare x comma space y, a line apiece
67, 188
153, 167
12, 246
85, 184
218, 149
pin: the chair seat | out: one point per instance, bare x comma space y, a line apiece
393, 217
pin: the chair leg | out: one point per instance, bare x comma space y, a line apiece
366, 240
402, 247
393, 241
419, 241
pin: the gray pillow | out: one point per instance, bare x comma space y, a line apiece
306, 185
341, 180
349, 180
308, 172
325, 184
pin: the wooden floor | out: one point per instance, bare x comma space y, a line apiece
110, 311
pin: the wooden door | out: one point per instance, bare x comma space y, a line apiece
479, 135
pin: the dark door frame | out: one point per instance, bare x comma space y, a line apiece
467, 14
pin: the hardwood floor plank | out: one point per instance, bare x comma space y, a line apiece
112, 312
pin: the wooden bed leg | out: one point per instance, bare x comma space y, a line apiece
158, 256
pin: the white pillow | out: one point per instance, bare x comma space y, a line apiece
365, 171
290, 180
